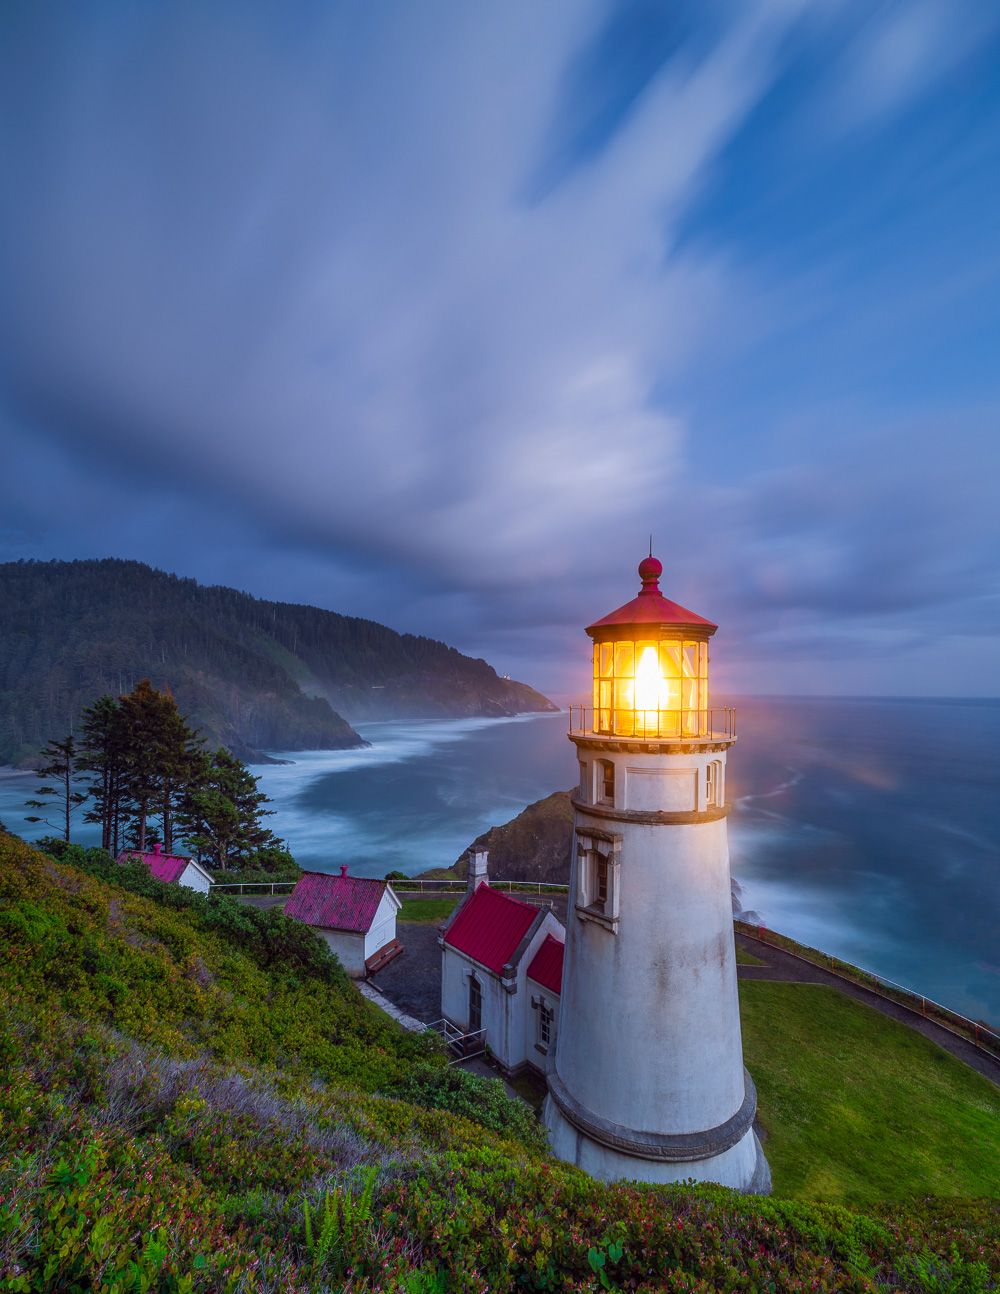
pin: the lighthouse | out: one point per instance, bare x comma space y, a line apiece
647, 1079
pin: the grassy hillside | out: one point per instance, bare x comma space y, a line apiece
251, 674
194, 1099
860, 1108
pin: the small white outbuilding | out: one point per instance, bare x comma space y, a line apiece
356, 915
172, 868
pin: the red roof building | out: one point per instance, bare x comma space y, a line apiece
489, 926
336, 902
489, 948
547, 965
171, 868
356, 915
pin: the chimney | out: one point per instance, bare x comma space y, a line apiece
156, 849
477, 868
343, 869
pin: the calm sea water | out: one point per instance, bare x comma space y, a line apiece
868, 828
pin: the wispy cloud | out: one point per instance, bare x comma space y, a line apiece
322, 292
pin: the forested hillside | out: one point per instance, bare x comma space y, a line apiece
251, 674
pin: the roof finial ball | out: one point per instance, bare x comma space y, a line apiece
650, 571
647, 1078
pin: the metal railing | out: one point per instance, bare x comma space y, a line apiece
445, 885
468, 1045
718, 723
974, 1031
416, 885
252, 885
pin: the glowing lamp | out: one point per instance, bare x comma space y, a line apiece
651, 666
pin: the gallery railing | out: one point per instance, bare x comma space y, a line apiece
719, 722
974, 1031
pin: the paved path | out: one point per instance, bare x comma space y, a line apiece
782, 966
412, 981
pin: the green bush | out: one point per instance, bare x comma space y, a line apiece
480, 1100
267, 935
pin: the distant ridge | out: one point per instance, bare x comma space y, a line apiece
251, 674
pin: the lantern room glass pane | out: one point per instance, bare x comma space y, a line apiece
648, 687
624, 660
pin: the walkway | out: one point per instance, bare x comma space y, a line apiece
782, 966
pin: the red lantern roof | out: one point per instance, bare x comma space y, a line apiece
651, 608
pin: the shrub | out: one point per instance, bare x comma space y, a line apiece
480, 1100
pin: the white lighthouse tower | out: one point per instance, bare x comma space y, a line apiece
647, 1078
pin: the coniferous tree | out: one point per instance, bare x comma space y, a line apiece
59, 765
143, 718
104, 748
176, 764
222, 811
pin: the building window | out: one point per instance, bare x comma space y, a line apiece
545, 1016
475, 1005
597, 879
606, 782
583, 780
713, 783
600, 881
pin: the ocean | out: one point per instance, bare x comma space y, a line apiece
869, 828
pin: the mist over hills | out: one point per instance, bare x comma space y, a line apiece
251, 674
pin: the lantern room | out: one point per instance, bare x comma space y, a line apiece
651, 666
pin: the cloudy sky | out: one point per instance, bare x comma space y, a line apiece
431, 312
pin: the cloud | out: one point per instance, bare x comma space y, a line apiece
389, 310
323, 293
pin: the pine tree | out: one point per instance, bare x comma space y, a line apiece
178, 750
60, 765
104, 747
222, 810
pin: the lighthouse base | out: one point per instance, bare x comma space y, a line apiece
742, 1167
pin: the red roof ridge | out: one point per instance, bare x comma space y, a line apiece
489, 926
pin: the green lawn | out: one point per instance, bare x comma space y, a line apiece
859, 1108
743, 958
427, 912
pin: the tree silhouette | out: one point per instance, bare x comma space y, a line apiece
59, 762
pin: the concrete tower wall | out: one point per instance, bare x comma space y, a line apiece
649, 1054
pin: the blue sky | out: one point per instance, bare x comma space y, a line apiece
432, 312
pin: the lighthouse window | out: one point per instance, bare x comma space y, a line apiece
601, 879
714, 783
598, 882
606, 781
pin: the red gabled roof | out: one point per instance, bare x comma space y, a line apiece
546, 965
489, 927
651, 607
165, 867
339, 902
